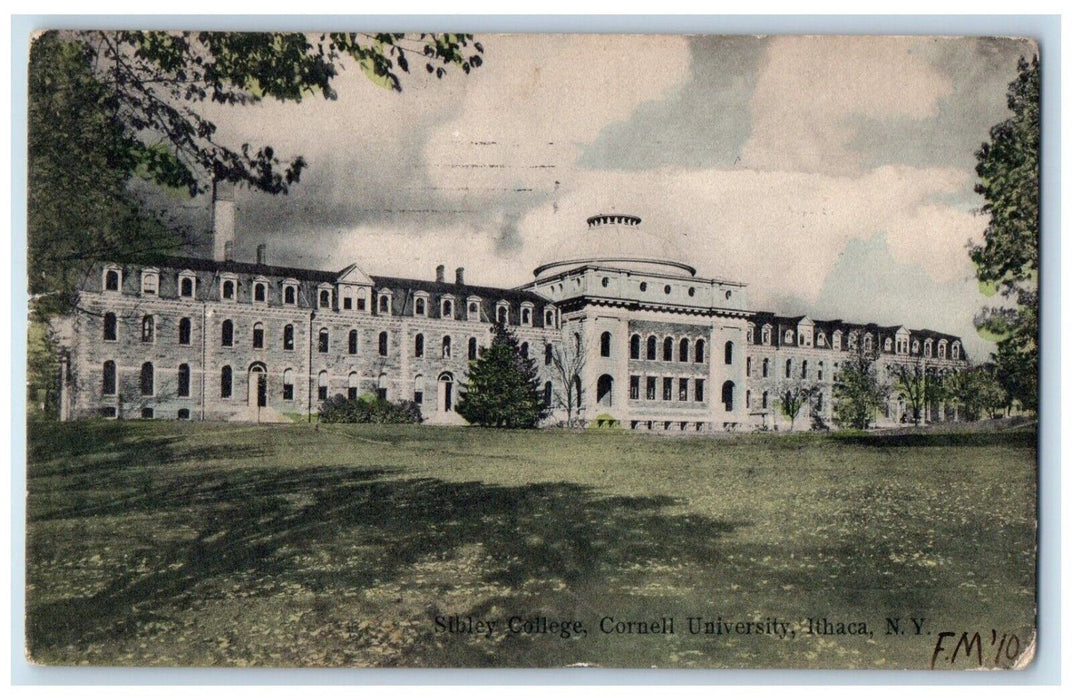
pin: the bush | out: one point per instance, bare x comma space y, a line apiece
368, 409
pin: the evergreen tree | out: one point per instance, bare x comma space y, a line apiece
503, 390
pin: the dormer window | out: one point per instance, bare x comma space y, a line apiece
290, 293
420, 305
323, 297
941, 349
502, 313
260, 292
113, 279
956, 351
868, 343
228, 288
383, 304
187, 285
751, 334
446, 307
473, 312
766, 337
928, 348
853, 339
788, 337
150, 281
820, 340
915, 347
837, 340
887, 345
526, 314
549, 318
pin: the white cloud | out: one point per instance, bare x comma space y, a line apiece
809, 89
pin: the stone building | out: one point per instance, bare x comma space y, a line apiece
650, 345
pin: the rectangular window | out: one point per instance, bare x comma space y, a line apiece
288, 337
258, 338
683, 389
361, 304
288, 392
650, 389
668, 389
634, 387
698, 394
418, 397
322, 393
347, 303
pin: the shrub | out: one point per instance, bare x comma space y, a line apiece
368, 409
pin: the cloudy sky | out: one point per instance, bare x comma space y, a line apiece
833, 175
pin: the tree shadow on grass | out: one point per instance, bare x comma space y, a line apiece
259, 521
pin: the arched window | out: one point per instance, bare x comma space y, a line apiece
549, 318
766, 335
111, 280
941, 349
385, 304
501, 315
418, 389
147, 379
668, 349
766, 398
548, 352
653, 346
868, 343
956, 351
225, 382
634, 347
260, 292
322, 385
418, 345
418, 306
288, 337
383, 344
446, 347
605, 391
804, 369
750, 335
604, 344
351, 386
325, 299
729, 352
186, 287
789, 368
290, 294
525, 350
766, 367
288, 384
788, 337
820, 340
887, 345
698, 356
323, 340
258, 335
547, 394
683, 350
448, 308
727, 395
748, 366
184, 331
227, 333
526, 316
148, 329
351, 342
228, 289
819, 371
110, 327
473, 348
108, 379
184, 380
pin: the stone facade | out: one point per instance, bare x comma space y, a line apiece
656, 347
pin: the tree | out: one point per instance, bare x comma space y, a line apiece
918, 384
108, 109
567, 365
976, 391
793, 399
503, 389
1008, 259
858, 391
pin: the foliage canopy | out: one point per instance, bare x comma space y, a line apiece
503, 389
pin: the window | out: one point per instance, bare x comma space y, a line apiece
351, 342
766, 367
147, 379
225, 382
184, 381
447, 310
260, 292
729, 352
385, 304
928, 348
147, 413
111, 280
184, 331
634, 347
148, 329
788, 337
108, 379
361, 303
697, 395
668, 349
788, 368
383, 344
766, 398
472, 349
184, 414
766, 335
322, 386
525, 350
698, 356
683, 350
727, 396
956, 351
150, 281
446, 347
836, 340
941, 349
186, 286
821, 340
643, 286
474, 311
819, 401
683, 389
750, 334
548, 353
290, 294
419, 307
502, 314
418, 389
649, 389
868, 343
887, 345
748, 366
804, 369
351, 386
288, 384
227, 333
323, 340
110, 327
347, 303
634, 387
258, 335
228, 289
819, 371
547, 394
915, 347
324, 299
604, 344
549, 318
526, 316
748, 398
653, 345
288, 337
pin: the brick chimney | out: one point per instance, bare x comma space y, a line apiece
459, 276
262, 254
223, 221
440, 272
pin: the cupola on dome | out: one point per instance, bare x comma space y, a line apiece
616, 240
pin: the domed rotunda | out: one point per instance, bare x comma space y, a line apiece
616, 240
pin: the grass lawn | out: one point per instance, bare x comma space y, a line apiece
189, 544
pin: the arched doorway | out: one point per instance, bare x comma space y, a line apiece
445, 392
727, 396
257, 386
605, 390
